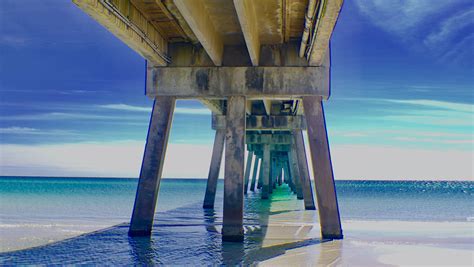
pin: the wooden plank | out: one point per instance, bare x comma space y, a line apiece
152, 167
248, 22
116, 23
232, 226
195, 14
214, 169
253, 82
322, 168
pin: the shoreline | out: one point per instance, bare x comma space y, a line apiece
366, 242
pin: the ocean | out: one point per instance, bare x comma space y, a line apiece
40, 210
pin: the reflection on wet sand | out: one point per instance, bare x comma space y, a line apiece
278, 232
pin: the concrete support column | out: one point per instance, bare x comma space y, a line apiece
322, 168
295, 172
214, 169
304, 171
280, 172
266, 163
260, 175
248, 167
254, 175
152, 167
232, 227
288, 175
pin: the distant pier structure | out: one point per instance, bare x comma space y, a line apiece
263, 68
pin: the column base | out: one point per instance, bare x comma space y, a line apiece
133, 233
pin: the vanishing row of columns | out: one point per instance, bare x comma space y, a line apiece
293, 161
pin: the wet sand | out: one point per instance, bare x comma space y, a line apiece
278, 233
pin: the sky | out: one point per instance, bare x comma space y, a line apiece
72, 97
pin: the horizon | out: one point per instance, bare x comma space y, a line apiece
222, 179
402, 104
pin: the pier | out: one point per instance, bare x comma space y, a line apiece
263, 69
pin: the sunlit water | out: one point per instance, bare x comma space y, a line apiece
184, 232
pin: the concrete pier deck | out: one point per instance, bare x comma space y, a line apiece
262, 67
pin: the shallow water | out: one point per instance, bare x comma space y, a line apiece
185, 233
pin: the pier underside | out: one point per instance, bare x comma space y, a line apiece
263, 69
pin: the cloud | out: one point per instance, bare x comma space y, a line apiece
436, 25
178, 110
400, 17
460, 107
450, 27
59, 116
13, 40
106, 159
34, 131
123, 159
125, 107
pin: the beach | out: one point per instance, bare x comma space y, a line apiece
278, 232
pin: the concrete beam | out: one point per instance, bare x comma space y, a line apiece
248, 22
252, 82
258, 123
322, 169
271, 139
195, 14
268, 106
215, 105
128, 24
232, 227
329, 12
214, 169
152, 167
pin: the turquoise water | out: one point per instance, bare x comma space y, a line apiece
112, 198
184, 232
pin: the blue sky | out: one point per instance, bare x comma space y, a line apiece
72, 95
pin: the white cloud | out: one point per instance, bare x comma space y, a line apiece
424, 24
125, 107
461, 107
113, 159
123, 159
13, 40
392, 163
450, 27
400, 17
59, 116
192, 111
34, 131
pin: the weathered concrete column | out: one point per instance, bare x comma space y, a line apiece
280, 173
232, 227
260, 175
288, 175
322, 168
295, 172
214, 169
304, 171
254, 176
248, 167
266, 164
152, 167
272, 174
